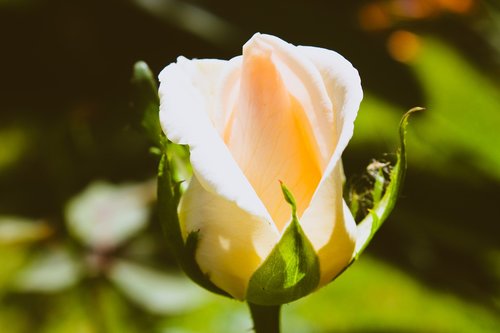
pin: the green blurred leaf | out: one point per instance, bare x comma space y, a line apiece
146, 102
291, 270
373, 296
381, 209
378, 186
13, 320
463, 117
374, 124
106, 309
194, 19
458, 133
15, 143
13, 259
65, 314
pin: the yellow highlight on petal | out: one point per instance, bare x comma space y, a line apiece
270, 138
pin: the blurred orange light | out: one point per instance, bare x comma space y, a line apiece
374, 17
413, 9
403, 46
457, 6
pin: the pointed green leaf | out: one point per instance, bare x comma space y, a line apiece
378, 186
168, 200
146, 102
381, 209
291, 270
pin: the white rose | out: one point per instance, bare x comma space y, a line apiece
277, 113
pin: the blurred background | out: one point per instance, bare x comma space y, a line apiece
80, 246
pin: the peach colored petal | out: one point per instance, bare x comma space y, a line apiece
219, 199
327, 221
268, 135
232, 242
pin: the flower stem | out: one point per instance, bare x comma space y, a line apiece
266, 319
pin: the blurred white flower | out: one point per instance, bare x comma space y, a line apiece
156, 291
105, 215
48, 271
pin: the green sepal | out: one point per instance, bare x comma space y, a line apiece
378, 186
291, 270
146, 102
184, 252
384, 204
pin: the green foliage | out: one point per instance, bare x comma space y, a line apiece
146, 102
65, 122
457, 134
462, 123
374, 296
291, 270
383, 205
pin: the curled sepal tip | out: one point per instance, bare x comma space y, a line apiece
291, 271
383, 205
145, 101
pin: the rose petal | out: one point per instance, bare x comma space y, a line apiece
204, 75
330, 227
232, 242
267, 135
305, 83
219, 202
184, 116
343, 85
328, 222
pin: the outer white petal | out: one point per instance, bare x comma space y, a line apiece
233, 243
328, 222
204, 74
219, 200
185, 119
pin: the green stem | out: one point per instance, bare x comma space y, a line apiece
91, 292
266, 319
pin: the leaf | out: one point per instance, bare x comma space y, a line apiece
168, 200
378, 187
146, 102
381, 209
291, 270
457, 138
465, 109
